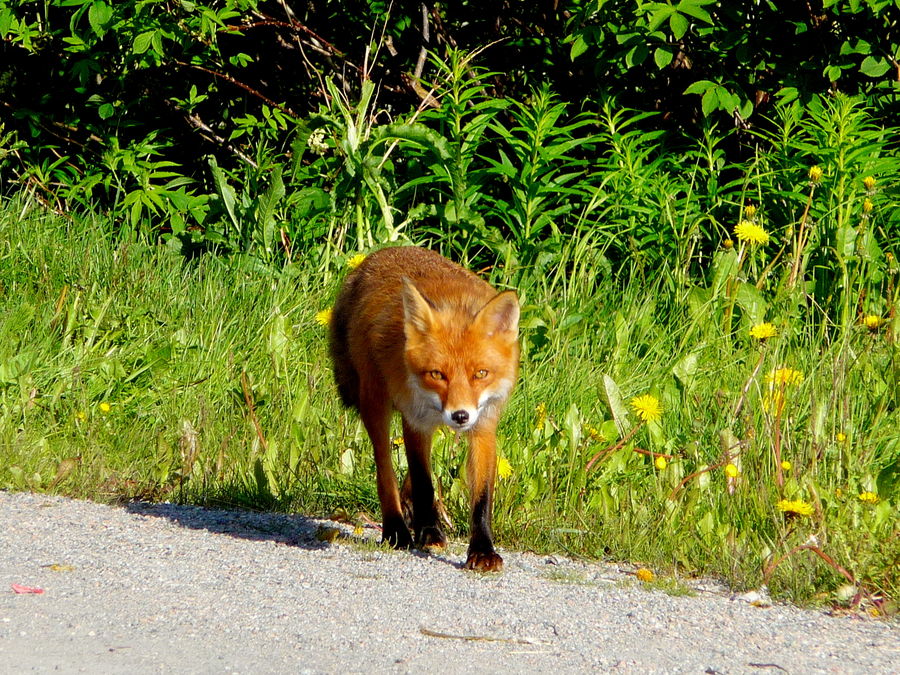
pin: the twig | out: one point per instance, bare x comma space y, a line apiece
237, 83
197, 123
611, 449
473, 638
259, 433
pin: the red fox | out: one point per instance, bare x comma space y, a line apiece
412, 331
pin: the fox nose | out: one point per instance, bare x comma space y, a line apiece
459, 416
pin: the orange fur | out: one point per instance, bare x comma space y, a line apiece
412, 331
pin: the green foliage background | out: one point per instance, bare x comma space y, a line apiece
183, 184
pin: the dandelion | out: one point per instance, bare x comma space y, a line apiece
323, 317
773, 401
105, 407
869, 183
749, 211
660, 463
786, 465
795, 507
841, 437
504, 468
872, 321
751, 233
595, 435
731, 471
782, 377
541, 411
397, 441
358, 531
868, 497
815, 174
867, 205
356, 261
645, 575
647, 407
763, 331
728, 244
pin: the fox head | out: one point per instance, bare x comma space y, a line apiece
461, 366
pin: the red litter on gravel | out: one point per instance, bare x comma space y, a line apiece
26, 590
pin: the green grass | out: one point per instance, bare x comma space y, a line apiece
219, 392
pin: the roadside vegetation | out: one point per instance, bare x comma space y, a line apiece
710, 377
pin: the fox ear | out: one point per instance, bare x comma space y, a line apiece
501, 315
417, 312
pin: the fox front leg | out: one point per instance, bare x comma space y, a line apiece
482, 470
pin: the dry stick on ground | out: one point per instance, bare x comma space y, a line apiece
770, 568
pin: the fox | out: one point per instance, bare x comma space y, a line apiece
414, 332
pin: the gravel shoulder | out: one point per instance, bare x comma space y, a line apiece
165, 588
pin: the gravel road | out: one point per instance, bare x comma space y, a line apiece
162, 588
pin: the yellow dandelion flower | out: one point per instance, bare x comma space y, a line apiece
749, 211
867, 205
782, 377
323, 317
397, 441
763, 331
815, 174
504, 468
731, 471
541, 411
869, 183
595, 435
868, 497
786, 465
105, 407
872, 321
358, 531
647, 407
728, 244
81, 416
356, 261
751, 233
796, 506
660, 463
645, 575
841, 437
838, 493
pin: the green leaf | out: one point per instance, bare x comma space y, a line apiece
99, 16
616, 404
663, 57
874, 67
579, 47
694, 9
142, 42
709, 102
659, 17
679, 25
106, 111
700, 87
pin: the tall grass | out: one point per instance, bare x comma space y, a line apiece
128, 371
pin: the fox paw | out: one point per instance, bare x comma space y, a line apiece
489, 561
396, 535
431, 535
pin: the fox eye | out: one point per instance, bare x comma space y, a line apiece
481, 374
435, 375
